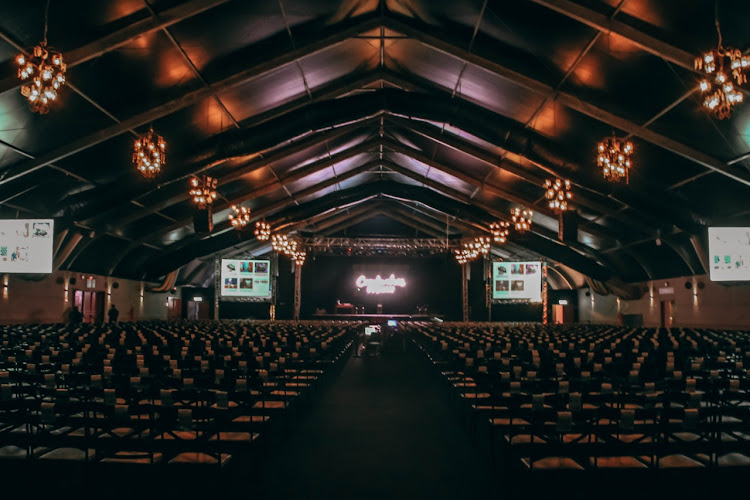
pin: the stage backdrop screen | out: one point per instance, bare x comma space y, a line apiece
517, 281
26, 245
249, 279
729, 249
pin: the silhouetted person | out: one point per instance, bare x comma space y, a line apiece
75, 316
113, 314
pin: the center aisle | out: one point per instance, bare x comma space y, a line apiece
381, 430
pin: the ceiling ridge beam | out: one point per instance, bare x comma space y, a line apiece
285, 224
351, 221
411, 221
190, 98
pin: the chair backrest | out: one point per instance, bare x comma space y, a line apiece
564, 421
222, 399
6, 393
574, 402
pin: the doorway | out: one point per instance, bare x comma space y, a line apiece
197, 310
174, 309
91, 305
667, 313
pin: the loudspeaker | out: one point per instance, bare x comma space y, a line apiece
568, 229
203, 220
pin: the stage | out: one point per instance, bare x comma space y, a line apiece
375, 317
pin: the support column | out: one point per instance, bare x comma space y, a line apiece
544, 293
465, 291
297, 290
488, 285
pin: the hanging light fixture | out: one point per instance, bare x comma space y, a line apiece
521, 218
558, 193
471, 250
240, 218
283, 244
203, 191
44, 70
149, 154
299, 257
500, 231
726, 69
614, 158
262, 230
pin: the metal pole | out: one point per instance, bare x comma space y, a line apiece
544, 293
465, 291
297, 290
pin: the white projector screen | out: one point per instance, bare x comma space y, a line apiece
245, 278
729, 253
517, 281
26, 245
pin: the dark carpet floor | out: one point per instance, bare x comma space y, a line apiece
381, 430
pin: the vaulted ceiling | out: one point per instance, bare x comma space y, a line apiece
393, 117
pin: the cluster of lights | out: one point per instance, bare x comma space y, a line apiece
262, 230
149, 154
558, 194
500, 231
203, 191
241, 216
299, 257
470, 250
614, 158
44, 69
521, 218
283, 244
726, 67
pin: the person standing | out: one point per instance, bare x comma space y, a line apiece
113, 314
75, 317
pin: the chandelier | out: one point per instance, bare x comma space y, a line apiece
283, 244
299, 257
470, 250
149, 154
262, 230
44, 69
727, 68
558, 193
521, 219
241, 216
203, 191
614, 158
500, 231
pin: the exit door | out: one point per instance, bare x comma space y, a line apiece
667, 313
91, 305
197, 310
